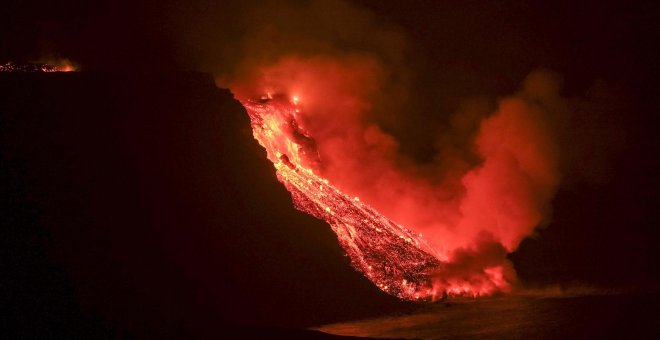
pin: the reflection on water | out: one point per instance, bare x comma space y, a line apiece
596, 316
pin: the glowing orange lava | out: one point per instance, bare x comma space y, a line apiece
327, 148
395, 259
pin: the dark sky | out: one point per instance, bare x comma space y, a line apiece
505, 39
448, 51
604, 227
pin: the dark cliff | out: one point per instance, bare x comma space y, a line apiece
141, 205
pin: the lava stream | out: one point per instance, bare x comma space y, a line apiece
398, 261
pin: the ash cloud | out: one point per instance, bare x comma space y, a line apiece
494, 174
484, 184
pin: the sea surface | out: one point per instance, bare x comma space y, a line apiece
530, 316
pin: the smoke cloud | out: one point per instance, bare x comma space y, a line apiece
486, 183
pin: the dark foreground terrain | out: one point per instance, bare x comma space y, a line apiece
140, 206
610, 316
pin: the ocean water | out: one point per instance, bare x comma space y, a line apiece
559, 316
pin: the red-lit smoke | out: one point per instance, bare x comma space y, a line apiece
472, 215
486, 183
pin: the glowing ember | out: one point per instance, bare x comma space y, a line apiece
398, 261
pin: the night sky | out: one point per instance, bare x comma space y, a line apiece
136, 204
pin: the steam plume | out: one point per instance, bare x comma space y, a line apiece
488, 185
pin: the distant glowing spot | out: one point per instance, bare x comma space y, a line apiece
295, 100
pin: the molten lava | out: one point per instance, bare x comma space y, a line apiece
398, 261
489, 184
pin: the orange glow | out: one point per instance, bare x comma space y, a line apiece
343, 169
63, 65
397, 260
67, 68
394, 258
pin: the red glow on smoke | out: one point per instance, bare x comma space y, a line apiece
312, 121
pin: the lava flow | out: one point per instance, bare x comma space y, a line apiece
397, 260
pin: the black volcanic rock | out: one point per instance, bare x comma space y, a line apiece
141, 205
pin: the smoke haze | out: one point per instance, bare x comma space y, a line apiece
519, 138
434, 135
491, 177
